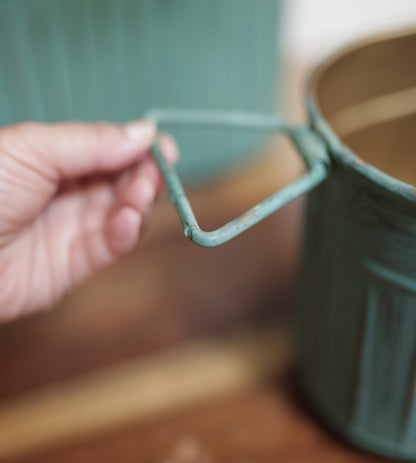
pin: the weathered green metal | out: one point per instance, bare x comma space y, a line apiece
114, 59
356, 342
356, 329
310, 146
356, 355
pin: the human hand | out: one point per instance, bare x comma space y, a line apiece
73, 198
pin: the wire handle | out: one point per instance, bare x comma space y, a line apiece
310, 146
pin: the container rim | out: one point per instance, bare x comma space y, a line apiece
337, 150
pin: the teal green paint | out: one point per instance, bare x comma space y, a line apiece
356, 347
362, 221
114, 59
310, 147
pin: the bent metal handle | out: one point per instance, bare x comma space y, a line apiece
311, 147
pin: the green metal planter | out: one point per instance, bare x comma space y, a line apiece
113, 59
356, 343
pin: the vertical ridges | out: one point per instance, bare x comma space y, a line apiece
386, 360
35, 107
120, 59
408, 431
365, 355
6, 113
358, 356
91, 52
61, 58
116, 59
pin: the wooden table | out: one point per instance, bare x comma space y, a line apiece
176, 354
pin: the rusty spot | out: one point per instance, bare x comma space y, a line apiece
227, 226
247, 216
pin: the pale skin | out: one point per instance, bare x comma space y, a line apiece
73, 198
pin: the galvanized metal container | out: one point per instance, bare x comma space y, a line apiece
356, 343
113, 59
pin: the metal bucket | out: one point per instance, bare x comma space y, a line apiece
357, 316
356, 348
113, 59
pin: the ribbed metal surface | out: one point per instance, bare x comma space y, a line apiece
357, 311
357, 315
116, 59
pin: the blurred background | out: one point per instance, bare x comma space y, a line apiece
176, 353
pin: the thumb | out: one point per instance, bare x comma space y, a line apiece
76, 149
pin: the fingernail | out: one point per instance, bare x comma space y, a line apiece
142, 130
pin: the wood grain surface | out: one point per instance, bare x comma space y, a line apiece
138, 389
265, 423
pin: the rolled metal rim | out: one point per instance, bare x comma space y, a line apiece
337, 150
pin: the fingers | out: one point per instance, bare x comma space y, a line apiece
123, 229
71, 150
137, 193
132, 207
80, 193
114, 221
